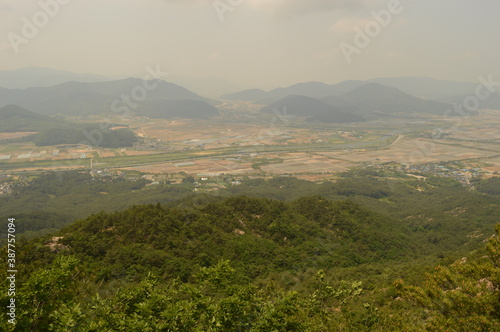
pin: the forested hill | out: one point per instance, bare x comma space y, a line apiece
258, 235
277, 254
244, 264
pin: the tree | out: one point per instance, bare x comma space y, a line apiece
41, 296
462, 297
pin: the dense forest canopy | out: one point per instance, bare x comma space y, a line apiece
279, 254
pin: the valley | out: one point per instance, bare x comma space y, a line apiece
234, 141
250, 166
342, 191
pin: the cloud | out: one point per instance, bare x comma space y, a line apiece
303, 7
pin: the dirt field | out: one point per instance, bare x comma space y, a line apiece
411, 151
303, 163
209, 167
471, 140
495, 165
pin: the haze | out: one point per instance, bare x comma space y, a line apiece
256, 43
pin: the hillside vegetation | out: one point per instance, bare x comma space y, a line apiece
17, 119
245, 264
267, 255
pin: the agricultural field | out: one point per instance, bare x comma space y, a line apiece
251, 144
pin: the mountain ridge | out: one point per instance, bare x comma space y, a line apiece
72, 98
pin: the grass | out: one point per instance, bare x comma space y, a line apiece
17, 148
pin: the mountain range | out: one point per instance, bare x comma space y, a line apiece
353, 100
313, 110
366, 101
377, 98
308, 89
427, 88
74, 98
492, 102
420, 88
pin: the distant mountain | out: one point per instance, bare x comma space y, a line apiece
312, 109
342, 103
160, 90
17, 119
251, 94
345, 86
492, 102
42, 77
93, 98
68, 98
420, 87
308, 89
427, 88
206, 86
167, 109
374, 97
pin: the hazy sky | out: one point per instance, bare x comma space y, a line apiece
261, 43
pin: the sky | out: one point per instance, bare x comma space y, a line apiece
255, 43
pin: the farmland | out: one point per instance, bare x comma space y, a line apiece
252, 143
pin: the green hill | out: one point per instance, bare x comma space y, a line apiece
212, 263
374, 97
55, 132
258, 235
17, 119
82, 134
312, 109
245, 264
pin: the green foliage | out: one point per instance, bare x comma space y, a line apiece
490, 186
56, 199
257, 163
295, 262
17, 119
104, 138
258, 235
441, 215
45, 291
461, 297
213, 303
